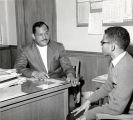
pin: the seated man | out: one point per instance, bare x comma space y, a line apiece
119, 85
45, 58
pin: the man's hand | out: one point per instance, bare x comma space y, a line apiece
74, 81
41, 76
84, 106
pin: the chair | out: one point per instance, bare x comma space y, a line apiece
75, 63
75, 92
127, 116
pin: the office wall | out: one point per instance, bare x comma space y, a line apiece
73, 37
76, 38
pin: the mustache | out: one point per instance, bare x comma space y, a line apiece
44, 39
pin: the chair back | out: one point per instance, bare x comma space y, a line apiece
76, 64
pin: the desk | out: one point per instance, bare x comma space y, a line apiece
98, 81
33, 103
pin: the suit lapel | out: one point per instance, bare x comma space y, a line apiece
50, 54
38, 58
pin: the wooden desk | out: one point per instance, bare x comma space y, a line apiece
98, 81
36, 104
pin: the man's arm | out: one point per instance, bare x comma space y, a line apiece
102, 91
67, 67
21, 65
65, 62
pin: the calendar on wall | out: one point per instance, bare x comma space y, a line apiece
117, 12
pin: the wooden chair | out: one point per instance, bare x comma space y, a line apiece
75, 92
75, 63
127, 114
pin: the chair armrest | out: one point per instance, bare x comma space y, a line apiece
120, 117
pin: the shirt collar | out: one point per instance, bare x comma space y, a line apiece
43, 47
118, 58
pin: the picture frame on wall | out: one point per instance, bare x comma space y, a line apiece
82, 12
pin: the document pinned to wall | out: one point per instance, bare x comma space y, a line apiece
95, 23
95, 18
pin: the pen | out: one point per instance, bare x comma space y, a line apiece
47, 75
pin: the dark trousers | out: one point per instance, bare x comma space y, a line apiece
71, 116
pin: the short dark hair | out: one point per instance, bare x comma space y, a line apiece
119, 35
38, 24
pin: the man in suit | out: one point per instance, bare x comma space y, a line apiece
45, 58
119, 85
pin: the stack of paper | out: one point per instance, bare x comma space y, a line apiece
6, 74
9, 77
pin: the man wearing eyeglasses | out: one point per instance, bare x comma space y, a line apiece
119, 85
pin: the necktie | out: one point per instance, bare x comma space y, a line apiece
112, 73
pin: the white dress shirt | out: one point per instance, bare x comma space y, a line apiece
118, 58
116, 61
43, 53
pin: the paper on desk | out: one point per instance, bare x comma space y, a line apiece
101, 78
16, 81
50, 83
6, 74
10, 92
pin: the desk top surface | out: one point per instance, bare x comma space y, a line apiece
101, 78
30, 89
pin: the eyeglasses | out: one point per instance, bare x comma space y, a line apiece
102, 42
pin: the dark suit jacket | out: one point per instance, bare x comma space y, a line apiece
58, 64
119, 93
